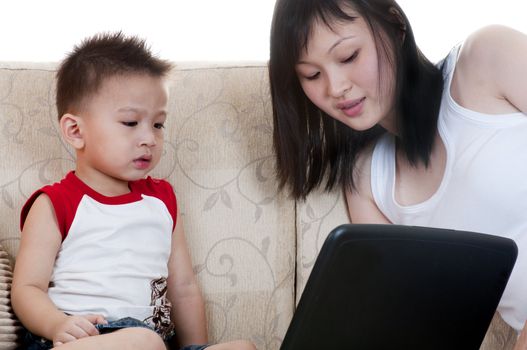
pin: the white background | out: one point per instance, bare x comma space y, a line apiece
215, 30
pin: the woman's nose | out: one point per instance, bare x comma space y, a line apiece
338, 84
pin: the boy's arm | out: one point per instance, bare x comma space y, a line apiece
39, 244
188, 308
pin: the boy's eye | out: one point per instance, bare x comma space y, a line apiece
130, 124
159, 125
351, 58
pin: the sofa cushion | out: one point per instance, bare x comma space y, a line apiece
10, 328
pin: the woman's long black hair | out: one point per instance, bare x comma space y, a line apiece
310, 145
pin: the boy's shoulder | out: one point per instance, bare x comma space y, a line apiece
67, 194
150, 183
153, 187
158, 188
62, 194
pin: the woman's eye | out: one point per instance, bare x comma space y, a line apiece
130, 124
159, 125
351, 58
313, 76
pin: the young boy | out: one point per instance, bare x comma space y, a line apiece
103, 262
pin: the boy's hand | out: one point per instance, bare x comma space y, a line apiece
76, 327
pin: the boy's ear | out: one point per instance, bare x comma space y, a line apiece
71, 130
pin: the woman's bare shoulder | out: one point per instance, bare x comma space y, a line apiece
480, 70
481, 49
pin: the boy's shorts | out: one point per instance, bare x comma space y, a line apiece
34, 342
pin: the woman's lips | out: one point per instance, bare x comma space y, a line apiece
352, 108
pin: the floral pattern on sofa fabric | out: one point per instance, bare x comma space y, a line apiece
218, 156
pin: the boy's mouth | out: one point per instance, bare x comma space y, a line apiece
142, 162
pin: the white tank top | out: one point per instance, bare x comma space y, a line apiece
484, 187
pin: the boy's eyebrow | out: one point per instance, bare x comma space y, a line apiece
139, 110
339, 41
129, 109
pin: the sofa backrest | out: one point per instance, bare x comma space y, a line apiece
252, 247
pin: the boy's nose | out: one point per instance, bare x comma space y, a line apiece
148, 139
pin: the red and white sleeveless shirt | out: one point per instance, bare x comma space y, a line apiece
114, 255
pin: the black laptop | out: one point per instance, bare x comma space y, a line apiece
401, 287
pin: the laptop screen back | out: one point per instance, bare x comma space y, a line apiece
401, 287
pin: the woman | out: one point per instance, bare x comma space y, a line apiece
356, 104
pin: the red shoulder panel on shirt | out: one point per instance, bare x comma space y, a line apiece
65, 198
160, 189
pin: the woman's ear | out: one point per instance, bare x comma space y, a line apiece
71, 130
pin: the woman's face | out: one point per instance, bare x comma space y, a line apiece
339, 73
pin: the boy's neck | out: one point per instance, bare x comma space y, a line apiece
102, 183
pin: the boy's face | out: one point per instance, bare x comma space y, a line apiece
122, 129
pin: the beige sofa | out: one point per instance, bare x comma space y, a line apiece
252, 247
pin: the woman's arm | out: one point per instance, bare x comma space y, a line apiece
494, 60
521, 343
188, 308
361, 206
491, 73
363, 210
508, 63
